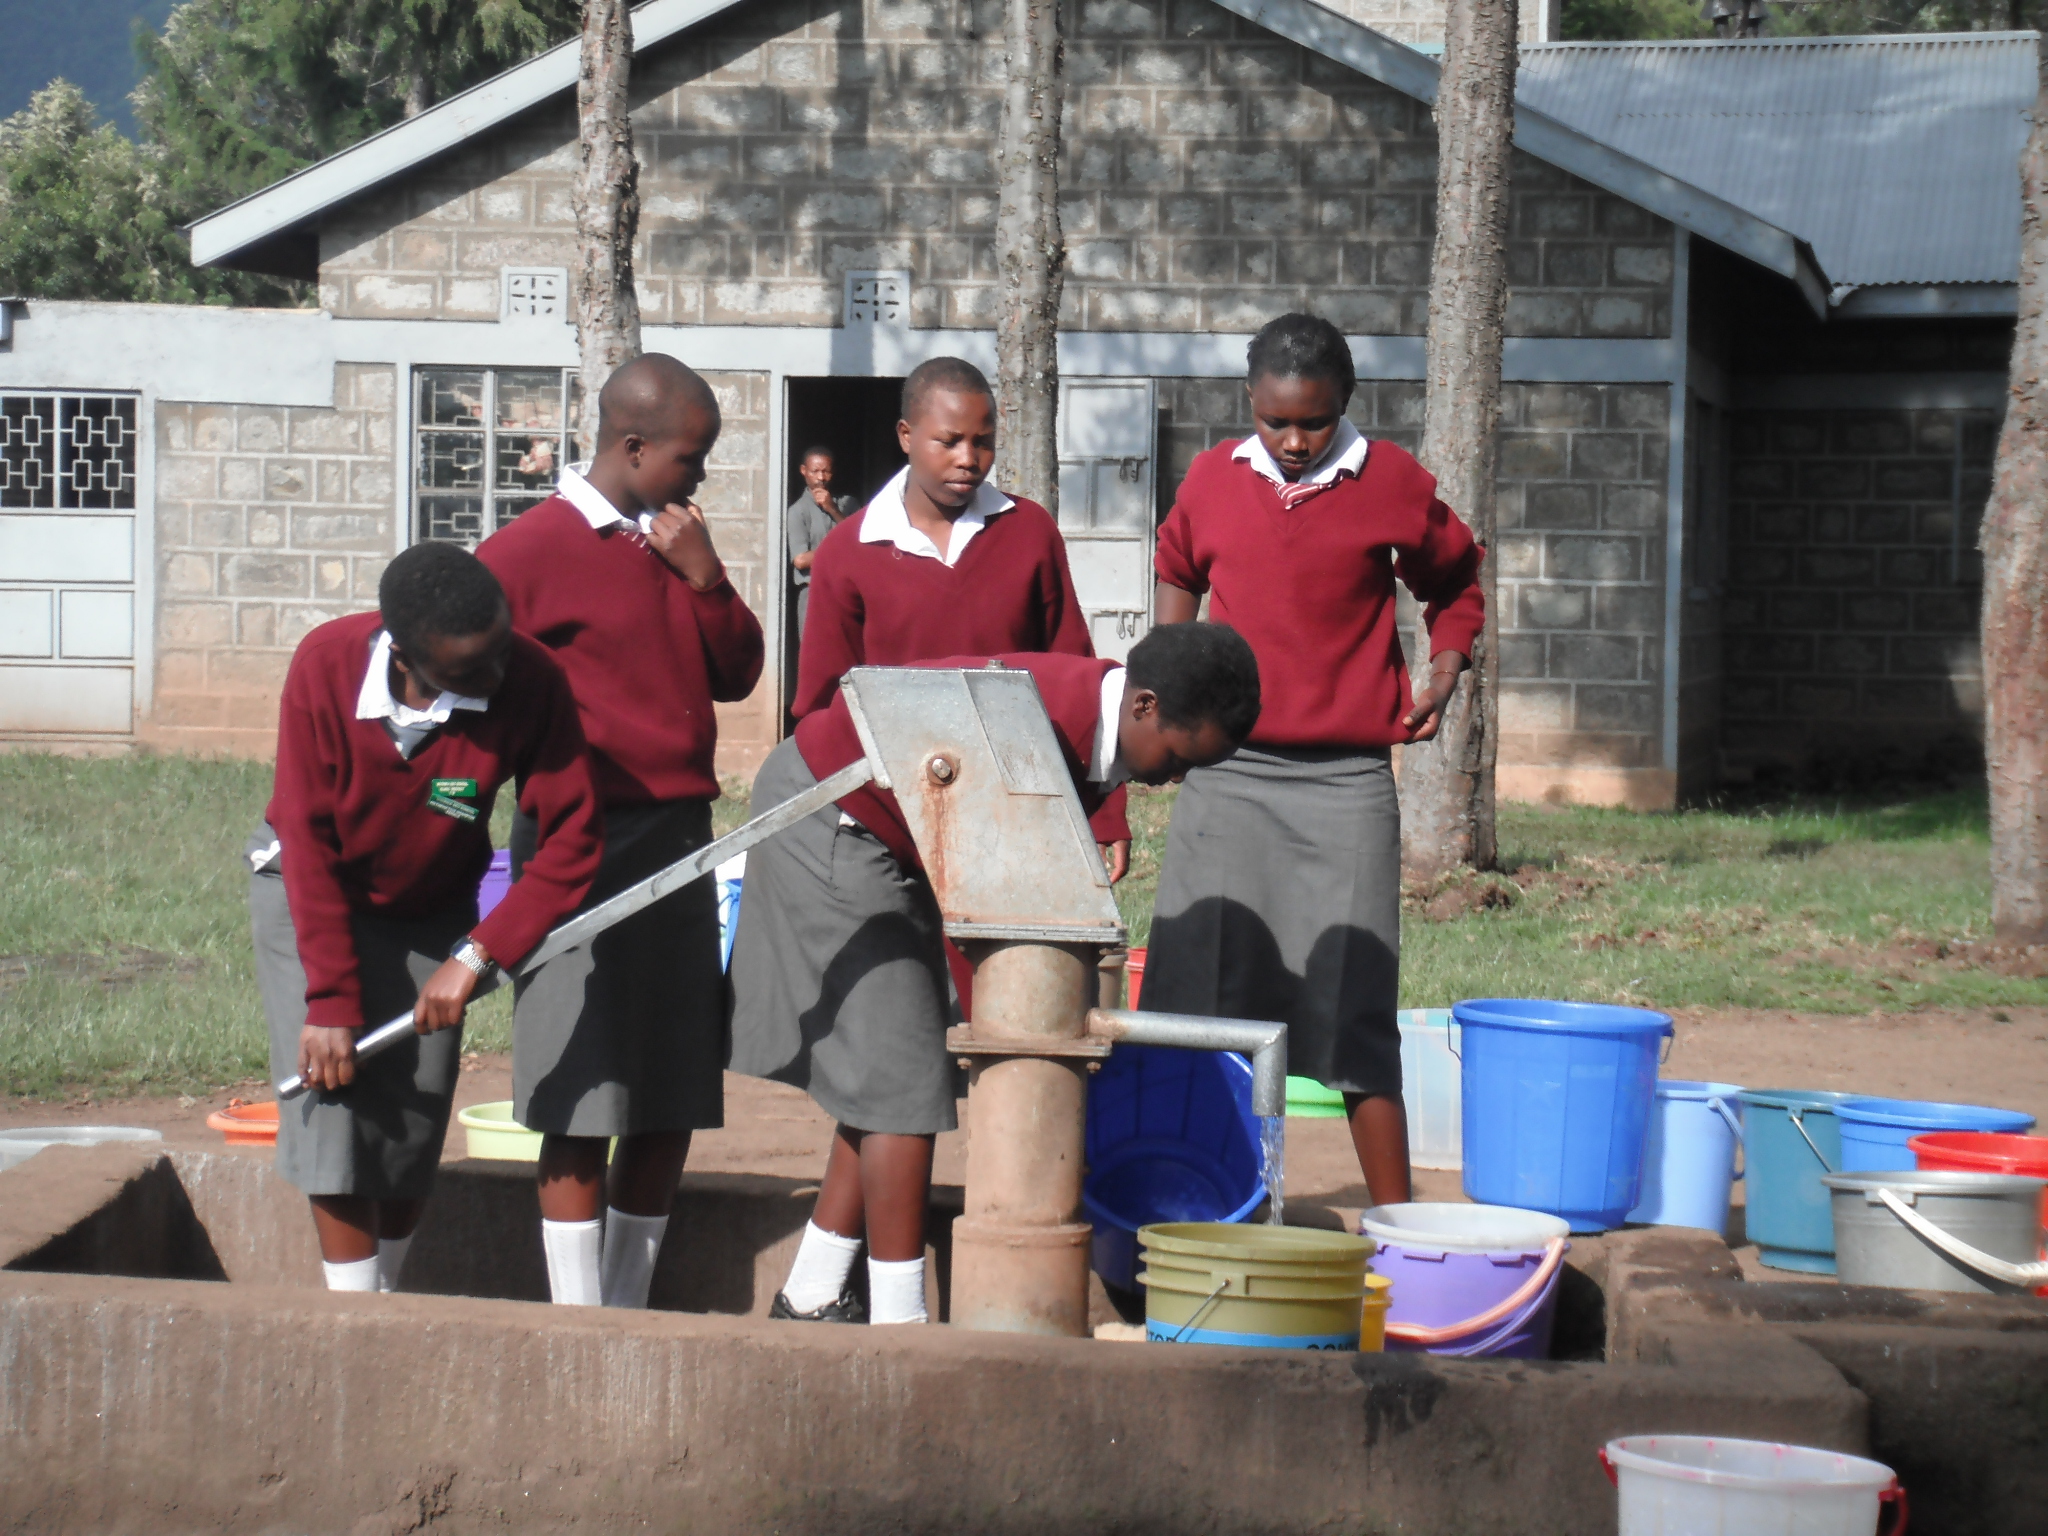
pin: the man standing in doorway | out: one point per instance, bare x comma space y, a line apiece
810, 517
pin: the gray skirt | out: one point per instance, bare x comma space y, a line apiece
380, 1137
839, 970
1280, 898
626, 1034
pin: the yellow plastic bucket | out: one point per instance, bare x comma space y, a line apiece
1372, 1330
492, 1132
1214, 1282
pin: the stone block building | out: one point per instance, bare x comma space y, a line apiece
1721, 532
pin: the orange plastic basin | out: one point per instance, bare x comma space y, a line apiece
246, 1125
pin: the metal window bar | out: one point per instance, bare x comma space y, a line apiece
67, 453
472, 470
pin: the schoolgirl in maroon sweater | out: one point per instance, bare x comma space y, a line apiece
395, 731
625, 1037
1279, 896
837, 967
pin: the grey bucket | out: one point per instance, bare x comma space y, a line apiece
1933, 1231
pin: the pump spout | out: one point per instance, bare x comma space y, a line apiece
1266, 1044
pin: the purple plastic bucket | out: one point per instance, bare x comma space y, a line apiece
1454, 1262
496, 882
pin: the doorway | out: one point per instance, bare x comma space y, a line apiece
856, 419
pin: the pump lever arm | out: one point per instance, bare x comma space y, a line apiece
585, 926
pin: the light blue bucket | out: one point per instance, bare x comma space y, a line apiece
1689, 1158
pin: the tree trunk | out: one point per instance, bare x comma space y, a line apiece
1447, 785
2015, 576
1030, 255
607, 206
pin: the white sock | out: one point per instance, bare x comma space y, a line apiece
390, 1260
356, 1275
631, 1244
896, 1291
822, 1264
573, 1249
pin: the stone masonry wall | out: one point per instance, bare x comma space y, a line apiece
1215, 176
269, 521
1852, 611
735, 497
1580, 547
273, 520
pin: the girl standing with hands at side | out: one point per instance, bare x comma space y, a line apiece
1280, 892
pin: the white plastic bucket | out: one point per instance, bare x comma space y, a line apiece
21, 1143
1432, 1088
1698, 1485
1448, 1226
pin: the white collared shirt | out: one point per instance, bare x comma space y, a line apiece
375, 701
887, 521
1106, 764
1346, 453
595, 506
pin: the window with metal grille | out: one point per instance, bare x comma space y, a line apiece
67, 452
490, 443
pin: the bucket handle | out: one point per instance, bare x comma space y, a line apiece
1530, 1289
1607, 1466
1200, 1312
1895, 1496
2021, 1277
1798, 1118
1720, 1107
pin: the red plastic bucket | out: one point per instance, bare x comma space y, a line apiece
1134, 976
1984, 1152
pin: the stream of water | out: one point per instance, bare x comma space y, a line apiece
1273, 1163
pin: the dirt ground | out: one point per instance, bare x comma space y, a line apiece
1968, 1056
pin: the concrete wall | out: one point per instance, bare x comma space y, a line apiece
736, 497
1852, 607
1583, 480
270, 520
1421, 22
1214, 177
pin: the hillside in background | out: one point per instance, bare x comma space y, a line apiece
88, 42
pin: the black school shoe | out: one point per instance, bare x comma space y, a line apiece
847, 1309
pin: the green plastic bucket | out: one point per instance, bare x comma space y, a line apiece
1214, 1282
1308, 1099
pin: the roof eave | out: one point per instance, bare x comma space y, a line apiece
245, 232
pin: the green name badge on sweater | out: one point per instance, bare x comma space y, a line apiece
447, 796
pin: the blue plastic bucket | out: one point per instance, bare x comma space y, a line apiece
1790, 1138
1557, 1105
1875, 1131
1171, 1138
1689, 1157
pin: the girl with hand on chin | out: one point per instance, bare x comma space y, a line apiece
1280, 892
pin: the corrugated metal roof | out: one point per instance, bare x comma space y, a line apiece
1895, 158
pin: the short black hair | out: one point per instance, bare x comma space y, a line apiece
817, 451
1199, 672
437, 589
949, 373
1302, 347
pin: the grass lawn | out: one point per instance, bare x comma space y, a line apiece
124, 944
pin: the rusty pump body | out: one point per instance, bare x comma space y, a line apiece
985, 790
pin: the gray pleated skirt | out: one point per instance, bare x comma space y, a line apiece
1280, 898
626, 1034
381, 1136
839, 970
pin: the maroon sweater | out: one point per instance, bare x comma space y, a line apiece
1070, 686
359, 837
645, 652
874, 606
1312, 590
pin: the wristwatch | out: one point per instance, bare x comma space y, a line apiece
473, 955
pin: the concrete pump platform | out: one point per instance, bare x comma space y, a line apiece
138, 1392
